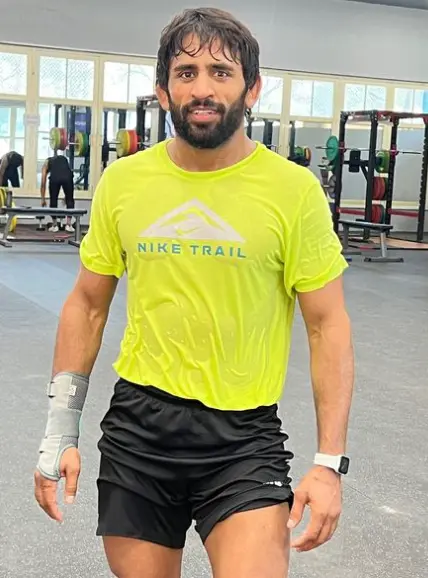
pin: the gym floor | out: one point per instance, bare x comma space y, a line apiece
383, 531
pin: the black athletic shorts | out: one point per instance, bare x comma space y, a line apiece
166, 461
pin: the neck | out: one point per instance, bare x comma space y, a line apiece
203, 160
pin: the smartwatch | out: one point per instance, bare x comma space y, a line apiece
339, 464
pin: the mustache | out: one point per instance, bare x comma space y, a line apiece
205, 103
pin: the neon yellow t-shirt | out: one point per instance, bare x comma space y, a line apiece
214, 261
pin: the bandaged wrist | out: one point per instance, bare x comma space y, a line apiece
67, 395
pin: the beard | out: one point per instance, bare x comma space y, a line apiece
208, 135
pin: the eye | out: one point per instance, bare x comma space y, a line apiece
187, 75
222, 74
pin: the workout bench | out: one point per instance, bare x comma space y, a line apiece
39, 213
381, 228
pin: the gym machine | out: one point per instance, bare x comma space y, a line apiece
379, 188
267, 138
130, 141
74, 142
297, 154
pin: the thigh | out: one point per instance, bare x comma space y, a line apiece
251, 544
54, 189
140, 507
130, 558
68, 188
251, 470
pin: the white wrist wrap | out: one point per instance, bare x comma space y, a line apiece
67, 394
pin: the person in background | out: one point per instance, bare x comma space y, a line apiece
9, 165
60, 177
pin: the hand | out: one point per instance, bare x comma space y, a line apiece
46, 490
321, 491
43, 203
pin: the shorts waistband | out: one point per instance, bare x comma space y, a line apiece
162, 395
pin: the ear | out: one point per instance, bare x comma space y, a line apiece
253, 93
162, 97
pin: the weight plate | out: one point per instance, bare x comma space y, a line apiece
78, 137
133, 142
332, 148
85, 144
64, 139
331, 186
308, 154
123, 144
375, 214
54, 138
378, 188
382, 161
14, 221
299, 152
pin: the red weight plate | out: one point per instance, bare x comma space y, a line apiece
133, 141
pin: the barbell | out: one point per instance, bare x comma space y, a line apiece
58, 140
383, 156
333, 147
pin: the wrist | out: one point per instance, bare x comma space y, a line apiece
338, 463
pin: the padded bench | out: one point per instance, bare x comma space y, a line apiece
382, 228
39, 213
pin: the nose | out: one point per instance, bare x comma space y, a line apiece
202, 87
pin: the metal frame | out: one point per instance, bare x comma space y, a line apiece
375, 117
12, 212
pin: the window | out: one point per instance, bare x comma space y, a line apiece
12, 129
125, 82
312, 98
13, 73
66, 78
410, 100
364, 97
131, 122
47, 121
270, 101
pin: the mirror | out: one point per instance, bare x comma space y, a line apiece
113, 120
264, 130
71, 139
147, 119
12, 143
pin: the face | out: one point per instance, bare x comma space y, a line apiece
206, 96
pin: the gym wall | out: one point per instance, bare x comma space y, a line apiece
320, 36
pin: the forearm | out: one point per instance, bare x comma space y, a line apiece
79, 337
332, 371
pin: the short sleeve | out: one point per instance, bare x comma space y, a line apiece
101, 249
313, 251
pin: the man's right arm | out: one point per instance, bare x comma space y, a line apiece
82, 322
79, 335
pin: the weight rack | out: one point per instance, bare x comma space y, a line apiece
375, 117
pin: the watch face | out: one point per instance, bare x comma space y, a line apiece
344, 465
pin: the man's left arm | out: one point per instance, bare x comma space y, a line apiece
315, 273
332, 363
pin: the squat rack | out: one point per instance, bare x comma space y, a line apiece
375, 117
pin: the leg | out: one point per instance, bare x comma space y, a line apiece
251, 544
54, 189
68, 188
144, 514
242, 496
129, 558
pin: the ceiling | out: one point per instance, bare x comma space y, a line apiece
421, 4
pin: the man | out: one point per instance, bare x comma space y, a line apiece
60, 177
217, 235
9, 165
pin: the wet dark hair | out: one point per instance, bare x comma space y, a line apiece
209, 25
